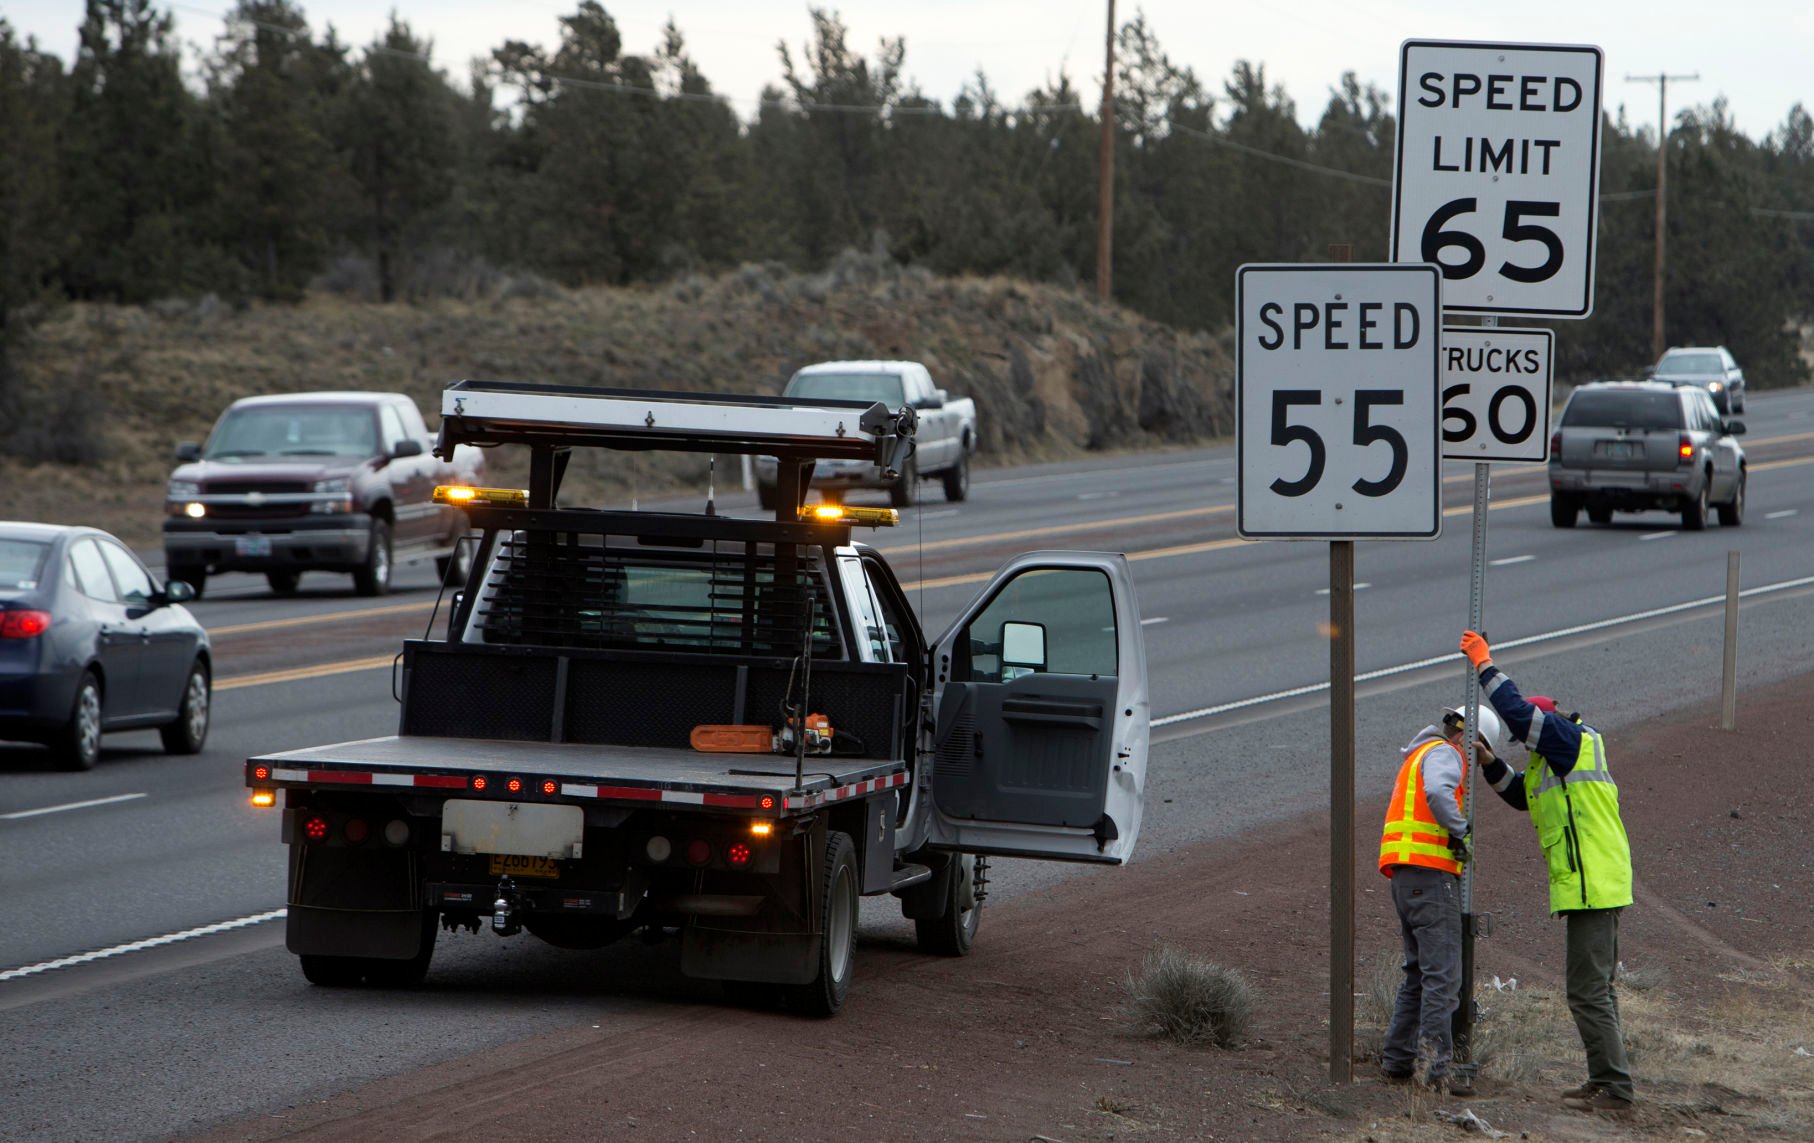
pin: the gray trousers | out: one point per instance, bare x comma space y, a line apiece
1429, 922
1593, 958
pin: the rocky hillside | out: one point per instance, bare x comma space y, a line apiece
102, 394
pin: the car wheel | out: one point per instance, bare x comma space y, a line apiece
1564, 510
906, 486
1599, 515
957, 478
190, 730
283, 582
1732, 513
375, 577
1694, 513
78, 745
452, 568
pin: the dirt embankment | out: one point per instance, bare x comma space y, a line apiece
108, 391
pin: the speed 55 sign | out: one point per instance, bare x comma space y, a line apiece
1338, 416
1498, 173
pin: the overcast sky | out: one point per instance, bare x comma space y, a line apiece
1756, 53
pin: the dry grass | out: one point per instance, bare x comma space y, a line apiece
1183, 998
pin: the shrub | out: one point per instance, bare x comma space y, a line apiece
1189, 1000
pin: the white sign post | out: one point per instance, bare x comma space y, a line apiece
1496, 393
1337, 407
1498, 173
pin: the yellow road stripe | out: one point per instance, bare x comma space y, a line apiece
346, 666
325, 617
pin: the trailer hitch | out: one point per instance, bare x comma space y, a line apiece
504, 919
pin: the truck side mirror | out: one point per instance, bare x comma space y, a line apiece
1023, 649
188, 451
935, 401
406, 447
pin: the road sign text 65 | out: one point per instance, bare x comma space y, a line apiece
1436, 239
1365, 433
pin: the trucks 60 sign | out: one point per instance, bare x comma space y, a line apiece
1338, 413
1498, 173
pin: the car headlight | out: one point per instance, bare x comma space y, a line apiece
338, 484
183, 489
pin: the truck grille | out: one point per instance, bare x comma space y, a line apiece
232, 487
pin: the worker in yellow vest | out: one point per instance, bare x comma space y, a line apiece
1422, 849
1574, 803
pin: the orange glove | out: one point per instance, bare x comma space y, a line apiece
1473, 645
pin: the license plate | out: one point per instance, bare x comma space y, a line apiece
252, 545
516, 865
1616, 450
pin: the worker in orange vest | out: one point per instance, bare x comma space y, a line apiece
1422, 849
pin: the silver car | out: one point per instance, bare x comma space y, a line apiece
1633, 446
1712, 368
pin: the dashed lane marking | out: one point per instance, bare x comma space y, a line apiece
1658, 535
1509, 560
17, 814
140, 946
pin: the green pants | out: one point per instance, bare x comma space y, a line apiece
1593, 958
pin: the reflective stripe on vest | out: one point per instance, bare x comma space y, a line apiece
1412, 835
1579, 829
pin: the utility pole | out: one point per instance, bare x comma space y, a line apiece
1657, 344
1105, 187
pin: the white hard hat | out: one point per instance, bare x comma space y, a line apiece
1489, 729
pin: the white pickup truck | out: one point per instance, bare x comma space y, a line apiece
944, 441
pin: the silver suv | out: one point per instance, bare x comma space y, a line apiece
1630, 446
1711, 368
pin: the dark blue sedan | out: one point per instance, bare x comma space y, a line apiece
89, 643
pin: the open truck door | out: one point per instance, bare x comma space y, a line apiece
1043, 714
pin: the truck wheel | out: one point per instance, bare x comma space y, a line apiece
375, 577
825, 993
78, 744
332, 971
406, 973
1733, 514
953, 932
283, 582
190, 730
1564, 510
1694, 513
906, 486
957, 478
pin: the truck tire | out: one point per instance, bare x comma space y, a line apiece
1564, 509
1732, 514
375, 577
824, 994
78, 744
1694, 513
957, 479
283, 582
189, 732
953, 932
332, 971
906, 486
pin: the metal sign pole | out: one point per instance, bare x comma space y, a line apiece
1341, 811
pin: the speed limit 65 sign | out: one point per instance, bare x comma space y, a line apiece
1498, 172
1338, 415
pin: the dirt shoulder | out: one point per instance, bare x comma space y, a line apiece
1025, 1039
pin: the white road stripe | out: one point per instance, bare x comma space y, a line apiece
141, 946
1155, 619
1511, 560
1098, 495
1780, 515
1529, 640
1357, 587
70, 806
1658, 535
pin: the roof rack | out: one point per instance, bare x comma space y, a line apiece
564, 416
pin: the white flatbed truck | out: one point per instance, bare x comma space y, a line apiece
725, 728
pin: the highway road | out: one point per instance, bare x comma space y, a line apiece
144, 990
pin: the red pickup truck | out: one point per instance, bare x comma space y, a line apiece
340, 482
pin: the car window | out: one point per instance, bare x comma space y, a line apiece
92, 577
391, 427
1704, 364
133, 580
21, 564
293, 430
1622, 409
883, 387
1710, 414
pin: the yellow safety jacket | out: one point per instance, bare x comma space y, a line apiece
1579, 828
1412, 835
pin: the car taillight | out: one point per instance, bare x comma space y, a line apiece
1684, 449
1555, 445
22, 624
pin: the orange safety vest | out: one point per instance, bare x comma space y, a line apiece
1412, 835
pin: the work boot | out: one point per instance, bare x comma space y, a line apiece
1581, 1092
1386, 1075
1602, 1100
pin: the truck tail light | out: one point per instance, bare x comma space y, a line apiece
23, 624
264, 799
396, 832
1684, 449
356, 830
699, 851
739, 853
315, 829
